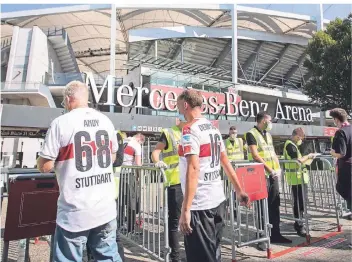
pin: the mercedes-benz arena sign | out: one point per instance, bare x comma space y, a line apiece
165, 97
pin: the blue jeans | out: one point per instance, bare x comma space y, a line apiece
68, 246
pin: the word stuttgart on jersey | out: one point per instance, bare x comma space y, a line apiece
94, 180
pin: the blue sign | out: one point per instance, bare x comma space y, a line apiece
134, 128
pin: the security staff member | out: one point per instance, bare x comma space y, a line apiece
294, 174
234, 145
168, 146
261, 149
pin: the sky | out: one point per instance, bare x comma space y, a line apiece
331, 11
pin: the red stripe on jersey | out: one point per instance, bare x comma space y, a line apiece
205, 150
187, 128
65, 153
129, 150
180, 150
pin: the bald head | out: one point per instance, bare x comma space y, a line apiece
75, 95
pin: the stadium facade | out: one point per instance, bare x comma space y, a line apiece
137, 59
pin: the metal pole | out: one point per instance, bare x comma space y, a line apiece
112, 45
156, 49
320, 20
234, 43
182, 54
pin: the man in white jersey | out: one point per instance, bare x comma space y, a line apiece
80, 146
202, 153
133, 150
129, 190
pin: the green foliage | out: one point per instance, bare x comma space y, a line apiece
329, 63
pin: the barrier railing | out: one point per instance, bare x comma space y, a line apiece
322, 195
248, 225
143, 209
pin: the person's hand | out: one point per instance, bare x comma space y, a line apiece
185, 222
311, 155
332, 151
276, 174
243, 198
160, 164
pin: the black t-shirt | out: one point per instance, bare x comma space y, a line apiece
292, 151
163, 140
250, 139
339, 143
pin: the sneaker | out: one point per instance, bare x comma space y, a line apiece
280, 239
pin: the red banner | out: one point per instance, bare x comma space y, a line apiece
165, 97
330, 131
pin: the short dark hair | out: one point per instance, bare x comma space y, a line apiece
233, 128
298, 131
339, 113
192, 97
261, 115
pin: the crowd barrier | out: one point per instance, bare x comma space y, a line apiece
143, 209
322, 194
248, 226
143, 204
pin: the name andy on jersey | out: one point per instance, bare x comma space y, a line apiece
89, 181
91, 123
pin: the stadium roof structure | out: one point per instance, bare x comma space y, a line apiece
271, 44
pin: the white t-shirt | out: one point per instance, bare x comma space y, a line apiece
132, 149
82, 142
202, 138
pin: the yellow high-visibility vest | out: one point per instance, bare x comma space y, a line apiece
235, 151
294, 172
265, 149
170, 155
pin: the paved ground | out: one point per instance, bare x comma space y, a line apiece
327, 245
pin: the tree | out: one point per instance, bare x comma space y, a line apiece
329, 64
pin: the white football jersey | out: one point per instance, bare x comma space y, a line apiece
202, 138
82, 142
132, 149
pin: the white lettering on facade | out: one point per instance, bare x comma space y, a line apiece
218, 103
244, 105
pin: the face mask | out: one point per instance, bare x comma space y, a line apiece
182, 118
233, 136
269, 126
299, 142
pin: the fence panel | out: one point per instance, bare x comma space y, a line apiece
143, 209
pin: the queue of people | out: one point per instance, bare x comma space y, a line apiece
83, 148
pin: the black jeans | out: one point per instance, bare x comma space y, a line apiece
174, 200
298, 204
273, 206
203, 244
126, 202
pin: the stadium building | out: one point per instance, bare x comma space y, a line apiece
137, 59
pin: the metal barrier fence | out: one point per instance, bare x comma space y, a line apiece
294, 194
143, 209
248, 226
322, 194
